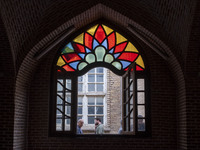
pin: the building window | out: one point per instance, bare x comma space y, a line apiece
81, 82
92, 95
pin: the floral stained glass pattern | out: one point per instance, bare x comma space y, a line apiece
99, 44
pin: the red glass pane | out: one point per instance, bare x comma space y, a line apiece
138, 68
120, 47
71, 57
79, 48
111, 40
100, 34
88, 40
128, 56
59, 71
68, 68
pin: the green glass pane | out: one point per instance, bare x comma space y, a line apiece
67, 50
90, 58
82, 65
100, 52
109, 58
117, 65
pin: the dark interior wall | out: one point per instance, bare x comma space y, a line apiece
7, 79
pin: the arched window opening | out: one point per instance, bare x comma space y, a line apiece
81, 79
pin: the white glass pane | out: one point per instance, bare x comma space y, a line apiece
68, 97
91, 100
60, 80
68, 84
99, 77
67, 124
91, 87
141, 125
58, 124
141, 111
91, 78
140, 84
99, 87
59, 87
140, 97
68, 110
99, 100
59, 100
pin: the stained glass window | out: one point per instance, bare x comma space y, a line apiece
99, 44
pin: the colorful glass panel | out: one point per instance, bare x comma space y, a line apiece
99, 44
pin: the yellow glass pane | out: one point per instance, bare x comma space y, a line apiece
140, 62
131, 48
79, 39
120, 38
60, 61
92, 30
107, 29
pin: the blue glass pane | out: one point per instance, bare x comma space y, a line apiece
125, 63
74, 64
82, 55
95, 44
111, 51
70, 45
116, 55
105, 43
87, 50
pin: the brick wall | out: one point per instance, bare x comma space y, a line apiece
7, 76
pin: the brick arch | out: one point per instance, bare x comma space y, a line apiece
30, 62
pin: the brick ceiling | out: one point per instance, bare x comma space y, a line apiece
26, 21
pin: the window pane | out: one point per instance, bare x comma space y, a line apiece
99, 110
60, 80
99, 78
68, 110
58, 111
99, 87
58, 124
68, 97
59, 87
80, 87
90, 119
91, 78
67, 124
80, 110
99, 70
91, 87
141, 125
91, 71
80, 100
131, 124
140, 97
68, 84
91, 110
79, 117
80, 79
99, 101
59, 100
140, 84
102, 120
91, 100
141, 111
